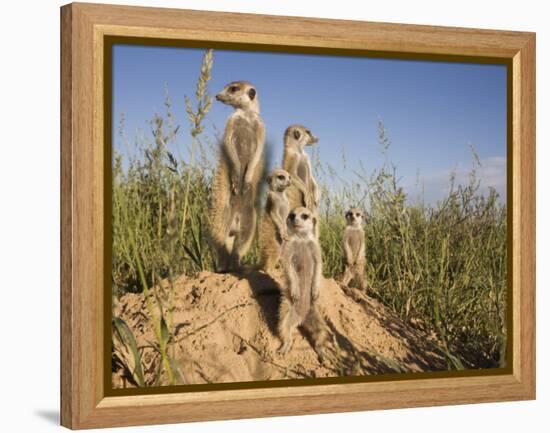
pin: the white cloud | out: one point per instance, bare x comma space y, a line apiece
435, 186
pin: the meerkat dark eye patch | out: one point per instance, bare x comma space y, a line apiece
291, 216
305, 217
297, 134
251, 94
234, 89
281, 177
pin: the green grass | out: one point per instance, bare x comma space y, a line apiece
441, 267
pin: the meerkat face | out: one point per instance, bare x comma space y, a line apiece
301, 221
239, 94
278, 180
354, 217
300, 135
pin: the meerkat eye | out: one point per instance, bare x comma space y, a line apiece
234, 89
305, 217
357, 214
281, 177
291, 216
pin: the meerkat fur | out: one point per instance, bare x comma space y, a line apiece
302, 265
354, 249
237, 176
273, 230
304, 190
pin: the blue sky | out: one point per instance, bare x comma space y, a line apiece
432, 111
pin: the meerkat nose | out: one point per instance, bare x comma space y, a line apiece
218, 97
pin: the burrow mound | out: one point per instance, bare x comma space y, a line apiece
225, 330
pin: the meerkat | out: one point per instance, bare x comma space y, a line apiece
302, 265
296, 162
273, 229
237, 177
354, 249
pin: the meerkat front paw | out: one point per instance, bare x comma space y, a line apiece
248, 177
234, 187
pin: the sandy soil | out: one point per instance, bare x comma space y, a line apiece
226, 331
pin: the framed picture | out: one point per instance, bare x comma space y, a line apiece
266, 215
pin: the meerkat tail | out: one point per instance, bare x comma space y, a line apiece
314, 325
220, 214
288, 322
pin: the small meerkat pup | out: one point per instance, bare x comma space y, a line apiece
354, 249
237, 177
273, 230
302, 265
304, 191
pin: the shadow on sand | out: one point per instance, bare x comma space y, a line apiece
266, 292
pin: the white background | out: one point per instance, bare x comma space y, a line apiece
29, 215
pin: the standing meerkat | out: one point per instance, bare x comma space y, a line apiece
304, 191
237, 177
354, 249
273, 229
302, 265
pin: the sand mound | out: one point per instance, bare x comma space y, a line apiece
226, 331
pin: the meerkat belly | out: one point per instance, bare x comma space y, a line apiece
283, 210
355, 243
304, 267
303, 171
245, 139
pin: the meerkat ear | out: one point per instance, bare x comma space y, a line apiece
251, 93
297, 134
314, 220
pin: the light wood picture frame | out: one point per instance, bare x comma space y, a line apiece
85, 312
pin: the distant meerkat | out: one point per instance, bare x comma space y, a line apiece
304, 191
302, 265
273, 229
354, 249
237, 177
